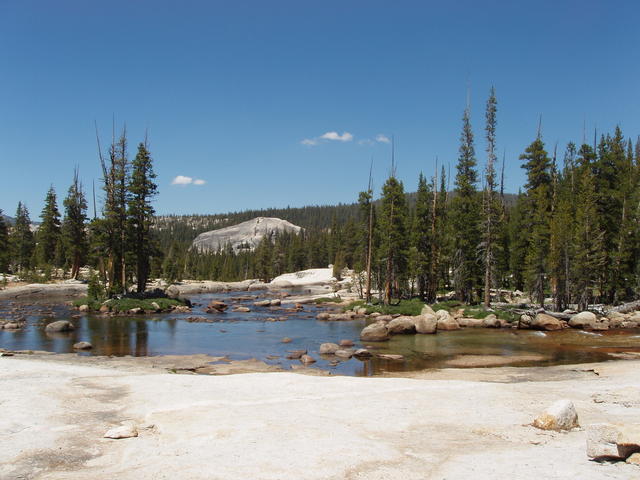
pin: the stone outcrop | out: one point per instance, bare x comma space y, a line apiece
606, 441
328, 348
243, 236
37, 291
402, 325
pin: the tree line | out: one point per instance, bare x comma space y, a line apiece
118, 244
572, 232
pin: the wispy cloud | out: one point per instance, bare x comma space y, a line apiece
184, 180
382, 138
329, 136
345, 137
366, 141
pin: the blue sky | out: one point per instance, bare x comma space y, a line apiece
230, 91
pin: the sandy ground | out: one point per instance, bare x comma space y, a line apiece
446, 424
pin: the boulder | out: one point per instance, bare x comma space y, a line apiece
328, 348
242, 309
83, 308
376, 332
542, 321
323, 316
104, 309
384, 318
124, 431
82, 346
60, 326
276, 302
491, 321
11, 326
427, 310
135, 311
346, 343
307, 359
561, 415
525, 321
401, 325
426, 323
446, 321
262, 303
361, 311
601, 442
583, 320
155, 306
470, 322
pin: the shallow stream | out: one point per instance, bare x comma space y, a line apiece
250, 335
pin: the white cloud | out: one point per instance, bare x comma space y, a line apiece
382, 138
309, 142
345, 137
184, 180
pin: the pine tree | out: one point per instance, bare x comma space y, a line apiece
48, 236
394, 237
423, 236
537, 210
490, 202
142, 189
114, 226
74, 231
465, 215
21, 239
4, 245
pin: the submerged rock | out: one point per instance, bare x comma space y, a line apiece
82, 346
561, 415
307, 359
296, 354
362, 353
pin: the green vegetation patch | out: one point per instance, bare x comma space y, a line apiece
447, 305
479, 312
411, 307
126, 304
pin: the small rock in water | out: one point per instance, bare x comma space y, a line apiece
262, 303
307, 359
123, 431
296, 354
362, 353
216, 306
82, 346
83, 308
559, 416
286, 340
328, 348
242, 309
346, 343
60, 326
276, 303
344, 353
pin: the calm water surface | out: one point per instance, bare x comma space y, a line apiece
249, 335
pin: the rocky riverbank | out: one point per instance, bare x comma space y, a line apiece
443, 424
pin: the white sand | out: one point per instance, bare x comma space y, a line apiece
290, 426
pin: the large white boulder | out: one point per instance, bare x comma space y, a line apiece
583, 320
561, 415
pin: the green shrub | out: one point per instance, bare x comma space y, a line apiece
411, 307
